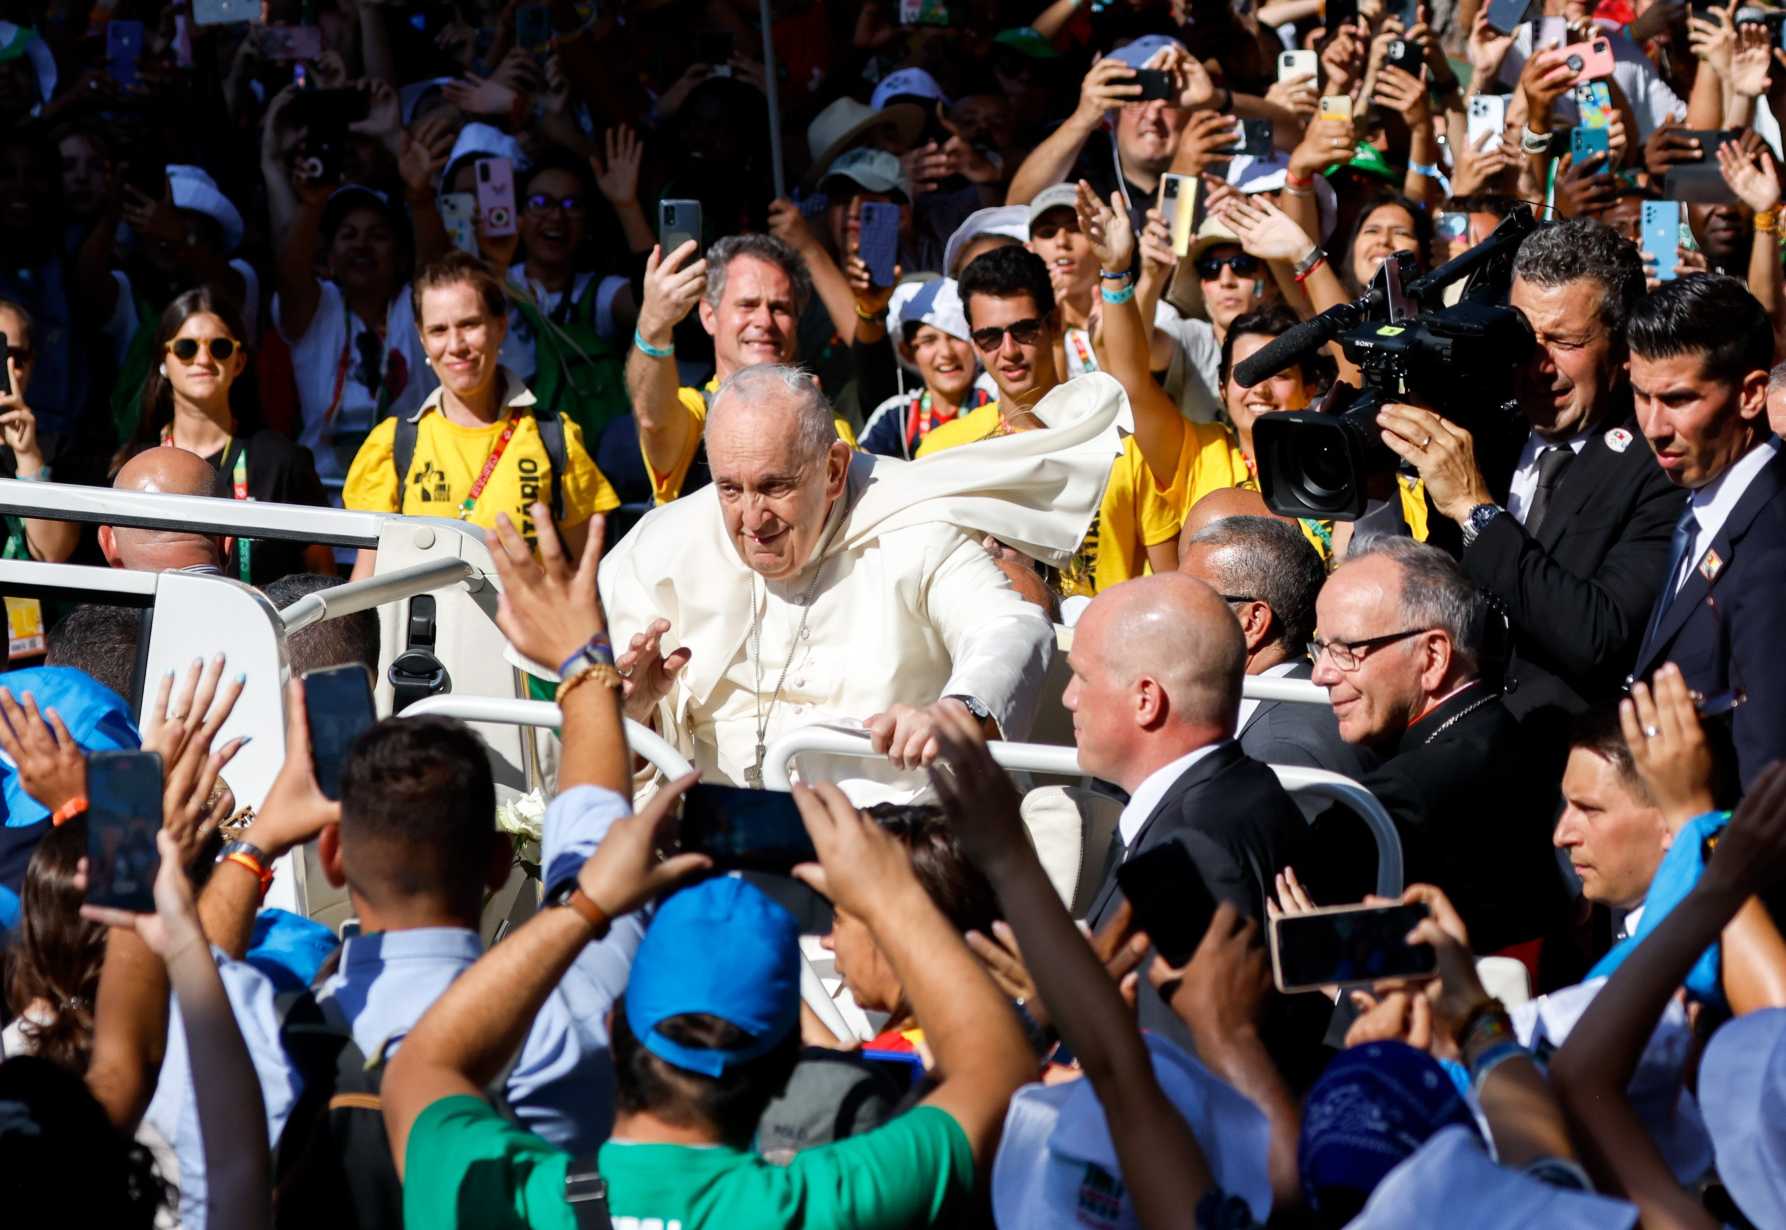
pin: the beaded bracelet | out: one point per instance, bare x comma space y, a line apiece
656, 352
1118, 296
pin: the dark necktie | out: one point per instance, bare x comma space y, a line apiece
1684, 530
1552, 462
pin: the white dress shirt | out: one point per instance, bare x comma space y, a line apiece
1153, 788
1713, 503
1248, 706
1525, 475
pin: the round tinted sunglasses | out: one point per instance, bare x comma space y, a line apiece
185, 349
1244, 265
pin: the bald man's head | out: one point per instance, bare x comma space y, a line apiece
163, 471
1157, 665
1222, 503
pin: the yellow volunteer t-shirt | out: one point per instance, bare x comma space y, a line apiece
449, 457
1135, 513
668, 485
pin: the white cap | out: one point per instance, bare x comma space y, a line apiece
1011, 221
1054, 196
194, 189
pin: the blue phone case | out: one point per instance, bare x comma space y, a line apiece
1584, 143
879, 240
1662, 235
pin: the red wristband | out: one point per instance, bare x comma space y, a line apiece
253, 865
1298, 181
69, 810
1303, 276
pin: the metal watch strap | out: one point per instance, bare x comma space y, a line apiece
1477, 520
981, 712
243, 847
1316, 255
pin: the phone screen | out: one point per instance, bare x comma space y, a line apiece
878, 240
1348, 946
1170, 900
123, 816
338, 707
759, 830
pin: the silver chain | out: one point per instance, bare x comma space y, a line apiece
1455, 718
753, 776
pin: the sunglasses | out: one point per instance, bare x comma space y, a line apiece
1244, 265
185, 349
1023, 332
541, 203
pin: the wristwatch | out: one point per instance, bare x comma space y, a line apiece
243, 847
1477, 519
1306, 265
570, 893
981, 712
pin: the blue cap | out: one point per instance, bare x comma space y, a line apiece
907, 82
723, 948
1136, 54
98, 718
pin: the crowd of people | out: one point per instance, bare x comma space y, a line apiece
926, 372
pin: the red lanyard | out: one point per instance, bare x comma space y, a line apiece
328, 416
469, 503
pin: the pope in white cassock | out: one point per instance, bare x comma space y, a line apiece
812, 584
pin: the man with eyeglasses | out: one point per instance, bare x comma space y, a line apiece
1569, 528
1398, 645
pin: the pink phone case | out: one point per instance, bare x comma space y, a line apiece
1595, 58
496, 196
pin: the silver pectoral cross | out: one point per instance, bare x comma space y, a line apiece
753, 776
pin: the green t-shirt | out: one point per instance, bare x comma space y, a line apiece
468, 1166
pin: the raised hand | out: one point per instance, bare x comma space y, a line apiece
673, 285
1661, 727
1267, 231
1218, 992
617, 175
861, 866
51, 766
625, 871
648, 671
1108, 227
1108, 85
550, 607
1751, 173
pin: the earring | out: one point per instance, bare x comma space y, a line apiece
164, 371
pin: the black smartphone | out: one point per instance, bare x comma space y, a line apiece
1404, 54
328, 109
1506, 16
755, 830
123, 816
1155, 83
677, 223
338, 708
1255, 139
1337, 13
5, 368
1348, 946
1170, 900
1709, 140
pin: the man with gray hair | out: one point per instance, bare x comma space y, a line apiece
1268, 574
811, 584
1566, 520
750, 290
1398, 645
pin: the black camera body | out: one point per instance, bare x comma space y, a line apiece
1458, 361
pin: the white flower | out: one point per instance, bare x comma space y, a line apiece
523, 816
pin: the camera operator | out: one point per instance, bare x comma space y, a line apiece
1571, 539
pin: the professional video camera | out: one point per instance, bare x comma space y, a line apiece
1458, 361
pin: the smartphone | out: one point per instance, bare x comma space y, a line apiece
755, 830
1551, 32
1171, 902
496, 196
1348, 945
1506, 16
123, 48
291, 42
1155, 83
1293, 64
923, 13
677, 223
224, 12
1255, 139
1590, 59
319, 157
1593, 102
123, 816
1404, 54
1487, 116
1661, 231
1178, 202
330, 111
878, 240
338, 708
458, 213
1585, 142
1709, 140
1336, 107
533, 27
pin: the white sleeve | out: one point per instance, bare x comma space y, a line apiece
999, 644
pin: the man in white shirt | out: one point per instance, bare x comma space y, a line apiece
1701, 349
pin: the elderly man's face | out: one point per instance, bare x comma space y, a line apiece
1379, 695
1614, 839
774, 499
754, 322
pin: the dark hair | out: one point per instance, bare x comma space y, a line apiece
1274, 321
66, 1163
101, 640
1423, 231
1597, 730
1580, 248
1709, 314
1274, 563
333, 642
1005, 273
55, 954
953, 884
454, 269
1482, 203
158, 393
557, 158
729, 1105
418, 809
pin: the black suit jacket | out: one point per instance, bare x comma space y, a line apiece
1578, 593
1727, 630
1472, 817
1282, 732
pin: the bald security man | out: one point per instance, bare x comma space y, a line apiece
168, 471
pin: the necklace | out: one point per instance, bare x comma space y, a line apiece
1455, 718
753, 776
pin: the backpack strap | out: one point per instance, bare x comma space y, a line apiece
551, 428
587, 1193
403, 451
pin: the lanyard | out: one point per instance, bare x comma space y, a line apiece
470, 502
384, 388
238, 491
1086, 362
